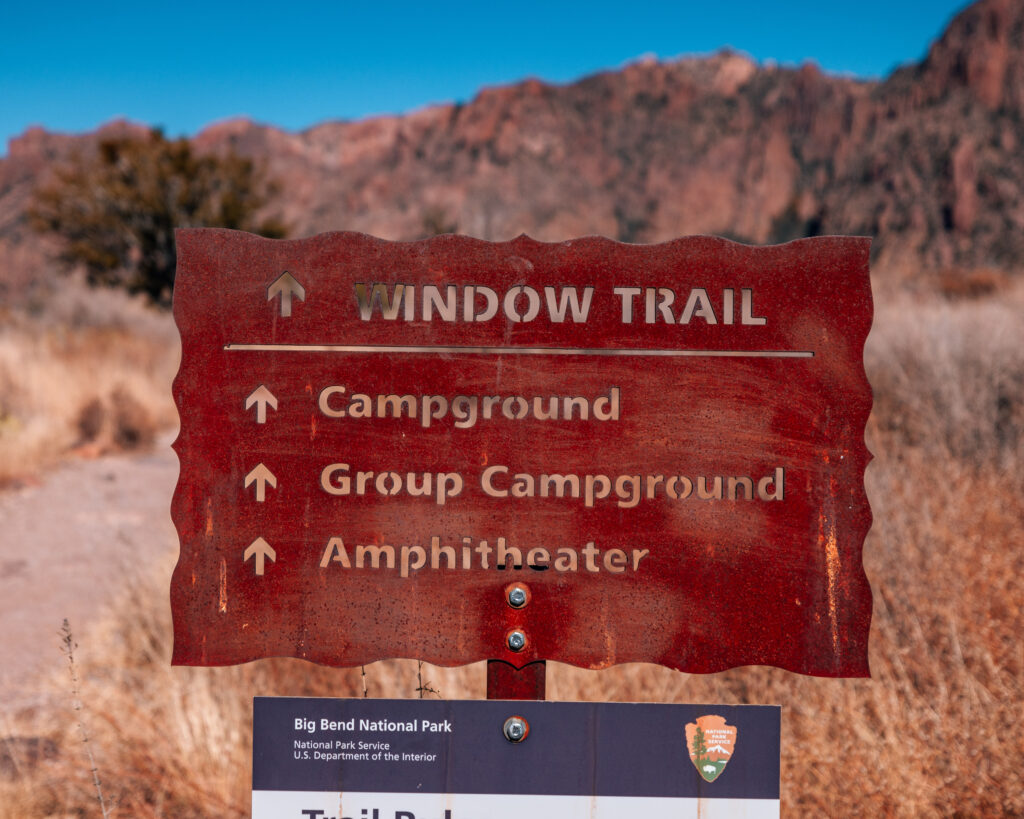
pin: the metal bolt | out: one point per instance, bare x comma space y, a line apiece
517, 640
516, 729
517, 597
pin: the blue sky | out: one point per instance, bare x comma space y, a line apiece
183, 65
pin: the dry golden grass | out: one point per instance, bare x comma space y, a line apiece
935, 732
90, 372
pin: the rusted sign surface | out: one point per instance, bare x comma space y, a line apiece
660, 447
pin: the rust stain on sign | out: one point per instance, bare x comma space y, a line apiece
222, 605
663, 444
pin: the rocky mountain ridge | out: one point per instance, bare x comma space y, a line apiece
929, 161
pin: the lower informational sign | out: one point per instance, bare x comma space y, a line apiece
439, 759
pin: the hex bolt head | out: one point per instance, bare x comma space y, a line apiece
516, 729
517, 597
516, 640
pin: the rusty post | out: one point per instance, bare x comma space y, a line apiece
506, 682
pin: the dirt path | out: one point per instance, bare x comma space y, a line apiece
66, 548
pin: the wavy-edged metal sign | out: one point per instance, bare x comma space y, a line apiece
587, 451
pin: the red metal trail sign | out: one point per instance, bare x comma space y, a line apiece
457, 450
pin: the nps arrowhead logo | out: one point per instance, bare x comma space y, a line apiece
710, 743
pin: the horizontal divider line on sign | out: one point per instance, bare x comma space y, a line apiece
451, 349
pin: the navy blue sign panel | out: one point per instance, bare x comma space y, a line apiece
420, 759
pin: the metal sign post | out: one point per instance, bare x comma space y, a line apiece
506, 682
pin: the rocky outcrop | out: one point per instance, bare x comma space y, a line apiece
929, 162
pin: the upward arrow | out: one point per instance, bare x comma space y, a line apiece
262, 398
286, 287
262, 476
262, 551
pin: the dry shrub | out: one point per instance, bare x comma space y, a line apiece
977, 283
935, 732
949, 378
134, 425
91, 371
91, 420
121, 422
